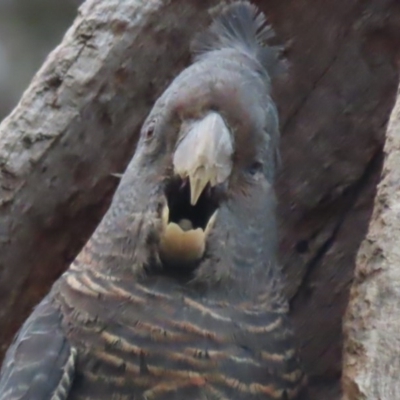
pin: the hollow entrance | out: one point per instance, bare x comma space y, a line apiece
334, 106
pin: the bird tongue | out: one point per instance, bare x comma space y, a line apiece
185, 224
180, 243
203, 157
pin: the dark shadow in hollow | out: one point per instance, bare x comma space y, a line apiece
334, 104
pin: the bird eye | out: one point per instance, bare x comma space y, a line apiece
149, 130
254, 168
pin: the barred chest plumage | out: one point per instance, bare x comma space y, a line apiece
151, 340
178, 293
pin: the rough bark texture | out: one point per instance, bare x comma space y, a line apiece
334, 106
372, 325
75, 125
79, 119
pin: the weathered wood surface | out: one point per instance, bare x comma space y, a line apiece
78, 122
335, 106
372, 322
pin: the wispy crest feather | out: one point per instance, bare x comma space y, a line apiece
242, 26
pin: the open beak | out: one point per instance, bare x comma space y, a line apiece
202, 159
205, 155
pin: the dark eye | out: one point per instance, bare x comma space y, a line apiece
255, 168
148, 132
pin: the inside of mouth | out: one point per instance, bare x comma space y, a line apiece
180, 209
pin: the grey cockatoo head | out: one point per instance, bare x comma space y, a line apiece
177, 294
202, 173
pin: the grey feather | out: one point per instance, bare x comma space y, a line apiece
241, 26
40, 364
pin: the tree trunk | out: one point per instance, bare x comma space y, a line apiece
372, 323
78, 122
334, 109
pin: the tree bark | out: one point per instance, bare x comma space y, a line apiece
372, 323
334, 108
79, 120
75, 125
